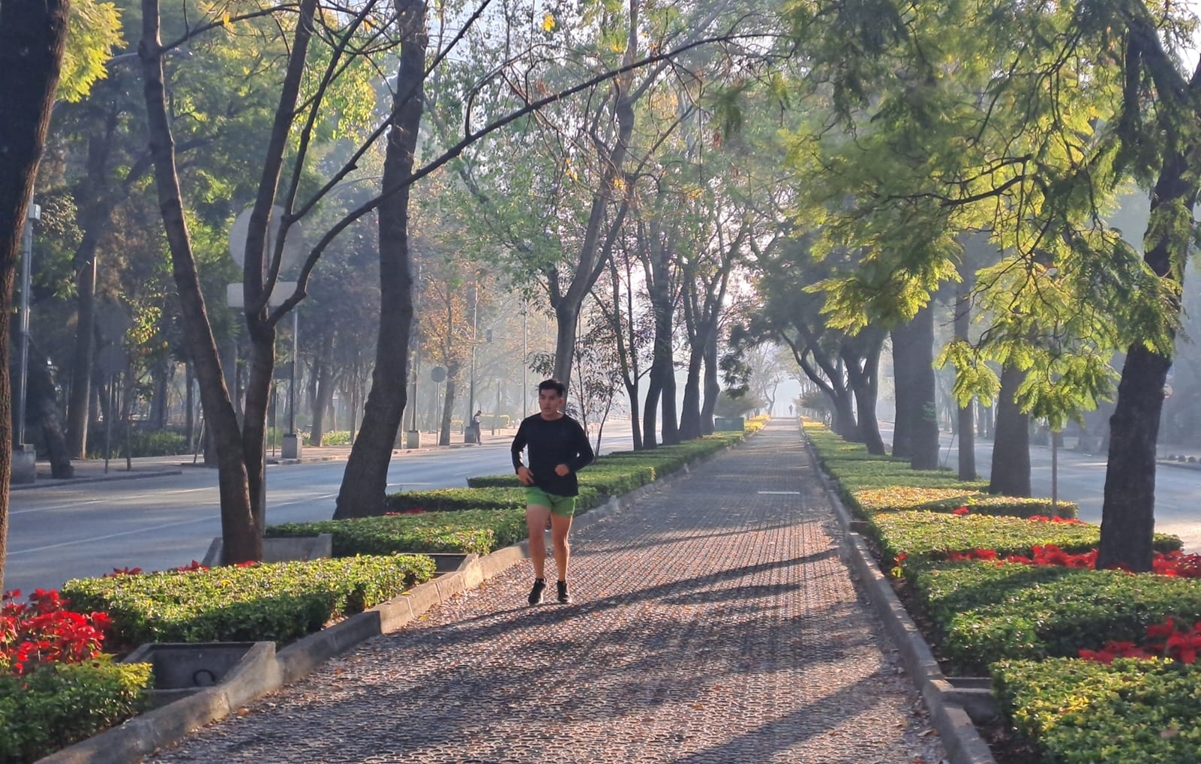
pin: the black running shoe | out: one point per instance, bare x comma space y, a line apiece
564, 597
536, 592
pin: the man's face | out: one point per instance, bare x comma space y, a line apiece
549, 401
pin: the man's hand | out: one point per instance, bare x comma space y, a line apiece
562, 470
524, 476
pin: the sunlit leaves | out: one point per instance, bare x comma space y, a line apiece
93, 31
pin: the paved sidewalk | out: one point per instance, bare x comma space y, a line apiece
714, 622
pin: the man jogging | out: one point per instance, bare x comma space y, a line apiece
558, 449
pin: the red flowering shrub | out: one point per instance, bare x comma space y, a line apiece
960, 512
1165, 639
43, 631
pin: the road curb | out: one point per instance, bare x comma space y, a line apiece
68, 482
959, 735
146, 733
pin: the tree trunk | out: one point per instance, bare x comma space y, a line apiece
904, 394
448, 403
1128, 512
85, 332
32, 36
43, 408
365, 481
160, 375
190, 403
1011, 445
865, 384
913, 350
712, 386
635, 420
242, 539
690, 413
321, 389
844, 423
966, 424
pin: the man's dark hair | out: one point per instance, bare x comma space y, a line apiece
553, 384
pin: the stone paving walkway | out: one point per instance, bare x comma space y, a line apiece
714, 622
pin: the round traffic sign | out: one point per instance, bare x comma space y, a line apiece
438, 373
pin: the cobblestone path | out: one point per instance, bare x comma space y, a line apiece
714, 622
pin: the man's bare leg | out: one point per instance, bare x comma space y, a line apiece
535, 520
560, 527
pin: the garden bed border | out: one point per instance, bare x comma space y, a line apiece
962, 740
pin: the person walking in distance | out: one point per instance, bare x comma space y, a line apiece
559, 449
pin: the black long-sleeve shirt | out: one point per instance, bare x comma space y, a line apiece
553, 442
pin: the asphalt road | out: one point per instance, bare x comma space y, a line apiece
58, 533
1081, 478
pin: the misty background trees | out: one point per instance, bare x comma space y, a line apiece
894, 210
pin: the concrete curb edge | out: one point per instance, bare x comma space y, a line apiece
959, 735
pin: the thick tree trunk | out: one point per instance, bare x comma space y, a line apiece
242, 538
32, 36
904, 394
321, 389
712, 386
190, 404
365, 481
1011, 446
635, 420
1128, 512
448, 403
690, 411
844, 423
43, 411
85, 332
865, 384
913, 350
965, 424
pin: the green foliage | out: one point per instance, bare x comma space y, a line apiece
274, 601
139, 443
469, 531
989, 612
1080, 712
60, 704
93, 31
926, 536
335, 438
895, 498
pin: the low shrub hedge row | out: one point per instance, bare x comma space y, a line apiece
59, 704
894, 498
1081, 712
1026, 623
277, 601
477, 531
924, 536
988, 611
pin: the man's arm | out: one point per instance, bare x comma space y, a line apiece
583, 449
519, 441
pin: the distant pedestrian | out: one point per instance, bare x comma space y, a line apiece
475, 424
559, 448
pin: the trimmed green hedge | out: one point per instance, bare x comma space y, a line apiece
477, 531
892, 498
988, 612
1084, 712
276, 601
927, 535
461, 499
57, 705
